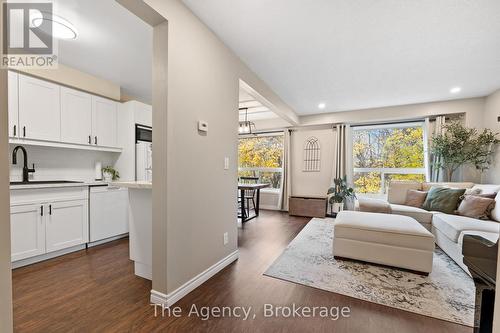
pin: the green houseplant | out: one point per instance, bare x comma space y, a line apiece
338, 193
459, 145
110, 174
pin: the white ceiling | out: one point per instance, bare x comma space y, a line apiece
355, 54
112, 44
255, 109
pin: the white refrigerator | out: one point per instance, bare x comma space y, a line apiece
144, 161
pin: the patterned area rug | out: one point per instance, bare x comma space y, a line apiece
447, 293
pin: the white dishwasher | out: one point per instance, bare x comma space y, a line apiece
108, 212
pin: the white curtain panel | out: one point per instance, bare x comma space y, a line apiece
339, 169
435, 128
286, 181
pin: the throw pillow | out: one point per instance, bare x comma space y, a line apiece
415, 198
476, 207
443, 199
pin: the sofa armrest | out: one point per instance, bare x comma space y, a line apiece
374, 206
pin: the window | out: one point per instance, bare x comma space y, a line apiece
261, 156
387, 152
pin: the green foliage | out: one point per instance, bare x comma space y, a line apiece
459, 145
340, 191
387, 148
261, 152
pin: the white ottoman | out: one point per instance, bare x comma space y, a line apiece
392, 240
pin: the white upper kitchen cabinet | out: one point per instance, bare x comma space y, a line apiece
39, 109
27, 230
13, 100
76, 116
67, 224
104, 119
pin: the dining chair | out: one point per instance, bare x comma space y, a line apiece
249, 194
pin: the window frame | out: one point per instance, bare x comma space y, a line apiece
385, 171
264, 169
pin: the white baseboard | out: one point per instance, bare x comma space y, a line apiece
186, 288
47, 256
269, 207
107, 240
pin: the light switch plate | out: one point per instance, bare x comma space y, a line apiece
202, 126
226, 163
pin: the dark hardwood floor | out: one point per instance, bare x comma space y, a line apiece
97, 291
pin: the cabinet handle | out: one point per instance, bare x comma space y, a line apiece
41, 210
50, 209
90, 139
95, 140
15, 130
24, 131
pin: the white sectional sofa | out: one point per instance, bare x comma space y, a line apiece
449, 230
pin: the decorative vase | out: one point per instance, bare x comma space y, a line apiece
108, 177
337, 207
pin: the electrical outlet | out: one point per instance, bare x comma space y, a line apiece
226, 238
226, 163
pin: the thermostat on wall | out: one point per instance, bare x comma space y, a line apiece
202, 126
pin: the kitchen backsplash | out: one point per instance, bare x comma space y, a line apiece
60, 163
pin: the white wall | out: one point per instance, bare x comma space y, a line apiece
201, 204
60, 164
491, 113
311, 183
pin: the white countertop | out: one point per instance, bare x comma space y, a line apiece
58, 185
134, 185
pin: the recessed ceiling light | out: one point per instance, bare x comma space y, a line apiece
61, 28
321, 106
455, 90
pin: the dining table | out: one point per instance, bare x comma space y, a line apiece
241, 190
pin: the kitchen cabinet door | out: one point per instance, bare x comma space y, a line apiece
13, 101
39, 109
67, 224
27, 231
104, 120
76, 116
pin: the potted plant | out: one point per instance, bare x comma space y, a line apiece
338, 193
110, 174
459, 145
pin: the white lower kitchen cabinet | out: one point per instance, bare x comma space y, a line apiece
48, 220
27, 231
67, 225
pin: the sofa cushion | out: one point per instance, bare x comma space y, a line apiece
476, 207
495, 213
487, 188
427, 186
415, 198
419, 214
452, 226
443, 199
397, 191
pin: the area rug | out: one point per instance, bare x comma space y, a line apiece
447, 293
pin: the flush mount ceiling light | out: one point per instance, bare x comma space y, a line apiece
455, 90
321, 106
61, 28
245, 127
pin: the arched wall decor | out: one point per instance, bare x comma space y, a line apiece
312, 155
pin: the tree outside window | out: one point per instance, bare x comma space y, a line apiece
385, 153
262, 157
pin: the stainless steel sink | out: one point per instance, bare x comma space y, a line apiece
43, 182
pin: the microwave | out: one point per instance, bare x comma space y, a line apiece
143, 133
